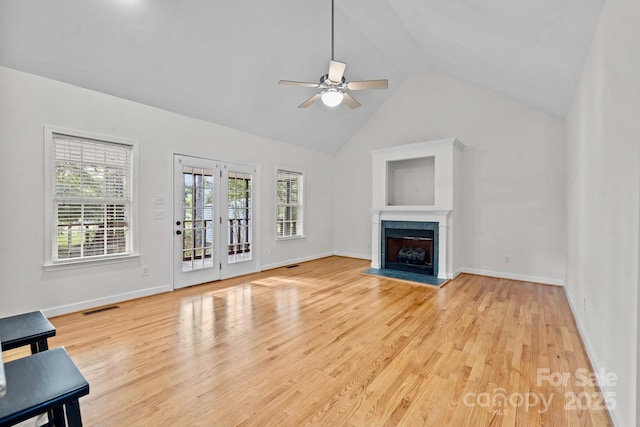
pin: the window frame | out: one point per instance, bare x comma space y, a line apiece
50, 219
300, 205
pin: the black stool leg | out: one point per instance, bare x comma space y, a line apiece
39, 346
73, 414
58, 417
50, 419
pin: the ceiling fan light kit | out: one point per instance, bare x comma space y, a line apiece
333, 86
331, 97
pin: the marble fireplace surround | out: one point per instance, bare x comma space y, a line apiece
431, 194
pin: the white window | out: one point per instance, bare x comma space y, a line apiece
90, 197
289, 204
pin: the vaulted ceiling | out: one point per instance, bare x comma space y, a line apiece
220, 61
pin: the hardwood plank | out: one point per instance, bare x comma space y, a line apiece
325, 344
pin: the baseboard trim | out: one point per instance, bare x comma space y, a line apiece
352, 255
592, 359
477, 271
294, 261
97, 302
513, 276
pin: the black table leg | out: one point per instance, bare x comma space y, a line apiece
73, 414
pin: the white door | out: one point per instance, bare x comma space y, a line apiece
196, 201
239, 232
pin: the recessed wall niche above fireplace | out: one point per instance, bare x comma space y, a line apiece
416, 199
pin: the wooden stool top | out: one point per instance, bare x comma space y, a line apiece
39, 383
24, 329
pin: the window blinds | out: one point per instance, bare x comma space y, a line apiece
92, 197
289, 204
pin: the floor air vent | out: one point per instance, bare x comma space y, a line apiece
100, 310
292, 266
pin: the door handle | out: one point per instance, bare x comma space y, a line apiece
178, 232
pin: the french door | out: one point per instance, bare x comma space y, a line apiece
214, 220
239, 220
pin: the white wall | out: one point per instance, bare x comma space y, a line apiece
28, 102
513, 175
603, 213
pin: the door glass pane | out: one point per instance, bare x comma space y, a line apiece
197, 222
239, 216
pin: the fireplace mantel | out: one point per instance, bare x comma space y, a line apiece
418, 182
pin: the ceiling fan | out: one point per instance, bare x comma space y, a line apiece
333, 86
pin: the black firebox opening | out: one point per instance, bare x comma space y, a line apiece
410, 250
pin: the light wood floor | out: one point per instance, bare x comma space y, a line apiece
325, 344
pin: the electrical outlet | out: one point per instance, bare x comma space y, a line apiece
145, 270
584, 303
507, 259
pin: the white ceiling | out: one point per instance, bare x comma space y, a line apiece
221, 60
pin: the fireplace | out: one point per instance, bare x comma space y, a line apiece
415, 213
410, 246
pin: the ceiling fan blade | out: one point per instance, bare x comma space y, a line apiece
350, 101
336, 70
368, 84
310, 101
294, 83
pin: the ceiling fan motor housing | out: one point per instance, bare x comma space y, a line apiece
326, 83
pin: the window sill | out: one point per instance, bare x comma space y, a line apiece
81, 263
281, 239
